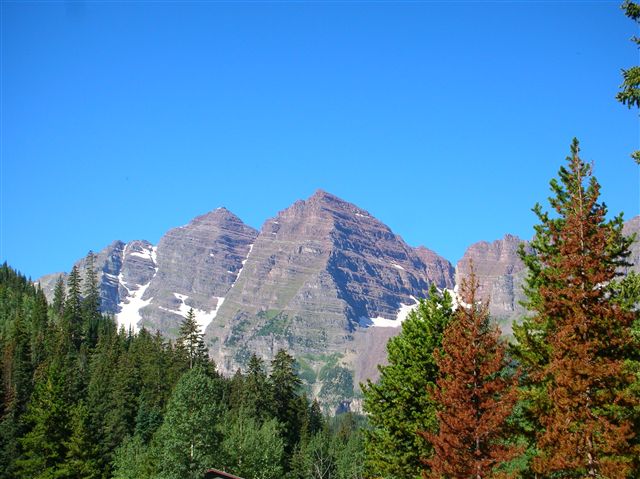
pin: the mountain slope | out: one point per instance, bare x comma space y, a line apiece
320, 270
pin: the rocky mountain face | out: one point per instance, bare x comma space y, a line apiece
323, 279
193, 266
319, 272
500, 274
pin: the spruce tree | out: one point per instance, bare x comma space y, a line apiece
629, 94
48, 419
576, 344
398, 405
256, 397
473, 395
91, 301
190, 341
285, 384
59, 297
72, 324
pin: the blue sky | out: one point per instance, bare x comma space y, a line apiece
446, 120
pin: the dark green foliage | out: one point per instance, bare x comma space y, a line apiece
91, 302
629, 93
48, 418
59, 297
285, 384
72, 320
81, 399
190, 343
398, 404
255, 398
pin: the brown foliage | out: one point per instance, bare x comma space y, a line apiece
585, 430
474, 396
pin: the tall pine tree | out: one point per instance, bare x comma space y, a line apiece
398, 405
473, 395
190, 341
575, 346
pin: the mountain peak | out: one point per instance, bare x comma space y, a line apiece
217, 216
321, 195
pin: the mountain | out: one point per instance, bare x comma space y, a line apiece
320, 271
500, 274
323, 279
193, 266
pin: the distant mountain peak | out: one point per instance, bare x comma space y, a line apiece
218, 216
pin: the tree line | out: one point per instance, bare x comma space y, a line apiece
82, 399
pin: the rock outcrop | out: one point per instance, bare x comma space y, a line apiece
500, 274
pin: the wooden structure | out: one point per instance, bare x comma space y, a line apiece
217, 474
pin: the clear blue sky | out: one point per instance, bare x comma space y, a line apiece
446, 121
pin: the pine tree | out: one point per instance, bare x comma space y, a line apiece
629, 94
59, 297
285, 384
81, 453
577, 342
91, 301
72, 329
473, 395
191, 343
398, 405
48, 418
256, 397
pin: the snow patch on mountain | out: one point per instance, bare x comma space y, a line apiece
240, 270
381, 322
130, 306
129, 314
203, 318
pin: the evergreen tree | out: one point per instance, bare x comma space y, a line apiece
188, 440
59, 297
629, 94
473, 395
256, 394
72, 316
191, 343
81, 453
18, 373
285, 384
398, 405
48, 417
91, 301
576, 345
